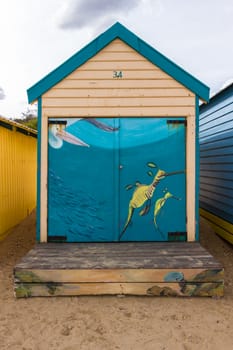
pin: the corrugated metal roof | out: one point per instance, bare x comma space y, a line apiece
10, 124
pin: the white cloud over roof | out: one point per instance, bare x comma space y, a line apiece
40, 35
83, 13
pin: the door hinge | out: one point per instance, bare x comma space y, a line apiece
175, 122
57, 239
177, 236
61, 122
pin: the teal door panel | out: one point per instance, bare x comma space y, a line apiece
152, 179
116, 179
81, 181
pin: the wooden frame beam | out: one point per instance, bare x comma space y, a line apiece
44, 180
191, 178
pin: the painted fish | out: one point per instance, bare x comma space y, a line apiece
128, 187
151, 165
149, 173
159, 204
100, 125
141, 195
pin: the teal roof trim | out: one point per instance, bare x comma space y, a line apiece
118, 31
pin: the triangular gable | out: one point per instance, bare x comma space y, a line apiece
118, 31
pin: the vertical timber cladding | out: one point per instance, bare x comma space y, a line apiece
119, 82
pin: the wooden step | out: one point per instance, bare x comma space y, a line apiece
140, 268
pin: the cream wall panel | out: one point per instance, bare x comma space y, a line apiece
117, 84
129, 74
98, 83
170, 111
113, 65
149, 92
118, 102
117, 56
118, 45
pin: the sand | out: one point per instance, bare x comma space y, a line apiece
111, 322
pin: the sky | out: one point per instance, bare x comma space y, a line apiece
37, 36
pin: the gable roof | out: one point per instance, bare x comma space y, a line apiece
13, 125
95, 46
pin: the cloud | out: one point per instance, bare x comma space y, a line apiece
94, 13
2, 94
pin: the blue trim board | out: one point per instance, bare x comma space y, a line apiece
121, 32
197, 168
38, 170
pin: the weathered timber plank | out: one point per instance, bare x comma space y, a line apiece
95, 255
111, 261
151, 289
108, 259
113, 264
115, 256
118, 275
117, 249
120, 250
123, 257
122, 245
165, 245
140, 256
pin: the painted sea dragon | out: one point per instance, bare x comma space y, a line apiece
159, 205
142, 195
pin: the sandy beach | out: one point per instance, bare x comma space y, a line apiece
129, 323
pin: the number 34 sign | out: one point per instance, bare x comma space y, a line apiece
117, 74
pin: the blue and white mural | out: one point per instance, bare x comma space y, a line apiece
112, 179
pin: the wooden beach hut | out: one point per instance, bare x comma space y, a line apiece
118, 190
216, 159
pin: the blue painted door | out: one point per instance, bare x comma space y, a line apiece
116, 179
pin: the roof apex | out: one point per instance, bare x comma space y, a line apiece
117, 30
